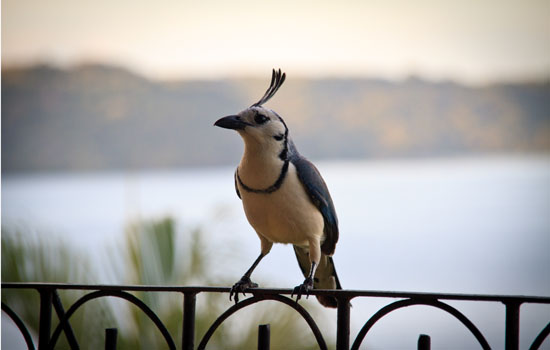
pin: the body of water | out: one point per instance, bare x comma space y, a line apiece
461, 225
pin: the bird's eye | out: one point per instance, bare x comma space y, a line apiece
260, 118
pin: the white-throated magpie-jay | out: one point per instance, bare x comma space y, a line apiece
285, 199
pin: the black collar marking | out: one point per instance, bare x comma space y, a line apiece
278, 183
284, 170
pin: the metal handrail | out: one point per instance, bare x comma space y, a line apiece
49, 299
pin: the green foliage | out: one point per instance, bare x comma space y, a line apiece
30, 257
153, 253
155, 258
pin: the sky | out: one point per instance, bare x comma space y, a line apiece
470, 41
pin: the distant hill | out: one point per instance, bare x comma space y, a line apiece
96, 117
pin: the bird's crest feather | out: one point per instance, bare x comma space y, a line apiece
277, 79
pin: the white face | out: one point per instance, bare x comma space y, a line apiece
264, 127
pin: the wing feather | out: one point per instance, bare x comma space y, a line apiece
317, 191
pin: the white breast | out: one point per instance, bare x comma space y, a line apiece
286, 215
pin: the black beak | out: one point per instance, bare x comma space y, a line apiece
233, 122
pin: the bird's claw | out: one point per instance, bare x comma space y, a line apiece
240, 287
303, 288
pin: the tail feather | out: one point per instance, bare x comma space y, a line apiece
325, 276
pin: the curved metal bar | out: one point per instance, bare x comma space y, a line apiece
540, 338
409, 302
19, 323
247, 302
119, 294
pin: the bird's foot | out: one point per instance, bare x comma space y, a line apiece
303, 288
240, 287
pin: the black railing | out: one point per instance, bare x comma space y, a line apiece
49, 299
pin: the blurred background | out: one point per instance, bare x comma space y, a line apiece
429, 120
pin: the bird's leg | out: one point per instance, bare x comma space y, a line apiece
307, 286
314, 258
245, 281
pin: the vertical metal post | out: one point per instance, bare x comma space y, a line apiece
45, 323
512, 325
424, 342
110, 338
188, 334
263, 337
342, 327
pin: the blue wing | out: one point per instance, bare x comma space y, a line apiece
318, 193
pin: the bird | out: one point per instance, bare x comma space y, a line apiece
284, 197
